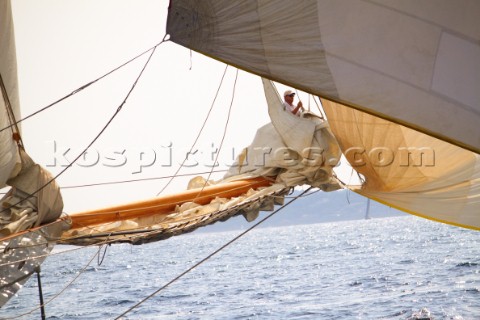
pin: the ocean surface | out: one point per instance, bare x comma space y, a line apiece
387, 268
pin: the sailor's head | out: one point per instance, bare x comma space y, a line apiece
289, 93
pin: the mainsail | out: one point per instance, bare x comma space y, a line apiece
392, 76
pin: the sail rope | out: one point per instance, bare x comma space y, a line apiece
97, 253
11, 115
107, 242
198, 134
119, 108
210, 255
81, 88
322, 116
224, 133
138, 180
100, 259
129, 234
45, 255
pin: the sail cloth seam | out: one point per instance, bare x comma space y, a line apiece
459, 103
209, 256
224, 132
350, 104
79, 89
119, 108
199, 133
423, 19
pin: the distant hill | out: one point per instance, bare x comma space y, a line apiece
318, 207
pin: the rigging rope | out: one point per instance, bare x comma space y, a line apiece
119, 108
198, 135
84, 86
129, 234
138, 180
11, 115
210, 255
63, 290
224, 134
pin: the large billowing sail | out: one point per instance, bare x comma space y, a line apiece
409, 170
415, 63
399, 80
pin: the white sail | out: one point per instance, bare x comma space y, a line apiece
34, 200
402, 74
295, 150
409, 170
414, 63
9, 158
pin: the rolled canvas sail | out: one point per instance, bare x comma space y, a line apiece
414, 63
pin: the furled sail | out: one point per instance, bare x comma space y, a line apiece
414, 63
296, 150
163, 217
287, 152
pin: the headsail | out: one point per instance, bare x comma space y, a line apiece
409, 170
413, 63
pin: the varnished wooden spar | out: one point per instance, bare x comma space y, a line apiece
166, 204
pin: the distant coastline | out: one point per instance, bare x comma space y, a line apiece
319, 207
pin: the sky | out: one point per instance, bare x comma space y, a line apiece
62, 45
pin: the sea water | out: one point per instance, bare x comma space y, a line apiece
386, 268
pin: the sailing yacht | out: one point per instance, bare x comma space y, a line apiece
398, 83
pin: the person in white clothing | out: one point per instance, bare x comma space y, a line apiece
289, 96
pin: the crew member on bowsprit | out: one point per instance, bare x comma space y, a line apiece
289, 96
